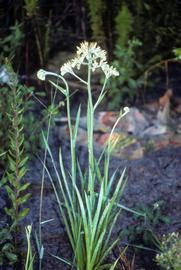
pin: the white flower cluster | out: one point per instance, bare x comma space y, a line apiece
170, 255
89, 54
41, 74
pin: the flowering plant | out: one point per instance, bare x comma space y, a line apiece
88, 203
169, 256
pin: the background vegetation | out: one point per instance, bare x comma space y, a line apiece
42, 27
138, 36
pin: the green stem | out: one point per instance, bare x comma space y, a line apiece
107, 156
90, 129
72, 145
100, 95
80, 79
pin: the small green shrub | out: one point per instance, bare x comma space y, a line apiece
144, 232
124, 26
17, 160
32, 122
130, 79
16, 167
169, 256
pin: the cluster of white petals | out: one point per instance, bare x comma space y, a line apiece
89, 54
41, 74
126, 110
66, 68
109, 70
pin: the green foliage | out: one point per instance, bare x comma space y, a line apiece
96, 11
130, 75
169, 256
133, 17
17, 161
12, 181
17, 36
32, 124
177, 53
88, 200
7, 251
123, 27
4, 121
144, 232
164, 31
31, 7
10, 44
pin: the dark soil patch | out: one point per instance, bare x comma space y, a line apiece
150, 179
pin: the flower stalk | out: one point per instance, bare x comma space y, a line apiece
89, 213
